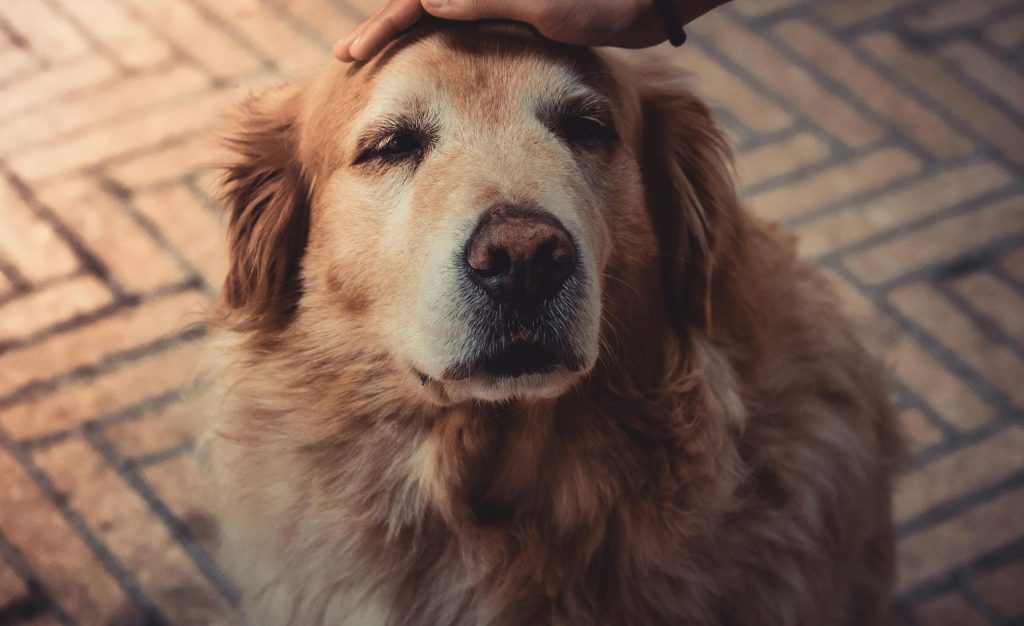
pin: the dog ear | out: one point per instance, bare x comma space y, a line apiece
687, 169
267, 196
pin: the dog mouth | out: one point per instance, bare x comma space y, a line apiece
513, 360
518, 359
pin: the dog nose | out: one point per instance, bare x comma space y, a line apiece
520, 256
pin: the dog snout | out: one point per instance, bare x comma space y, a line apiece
520, 256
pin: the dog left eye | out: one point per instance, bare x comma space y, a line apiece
397, 146
400, 145
583, 130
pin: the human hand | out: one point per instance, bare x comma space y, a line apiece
623, 23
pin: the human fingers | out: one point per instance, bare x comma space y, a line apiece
530, 11
374, 33
579, 22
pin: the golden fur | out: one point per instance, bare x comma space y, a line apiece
725, 459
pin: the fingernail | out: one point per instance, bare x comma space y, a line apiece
436, 4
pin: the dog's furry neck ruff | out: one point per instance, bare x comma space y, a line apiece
514, 489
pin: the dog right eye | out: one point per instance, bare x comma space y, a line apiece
581, 130
395, 145
400, 145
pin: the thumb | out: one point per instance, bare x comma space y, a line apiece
519, 10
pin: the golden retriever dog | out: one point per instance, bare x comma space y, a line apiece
499, 345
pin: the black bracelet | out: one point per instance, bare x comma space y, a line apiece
676, 34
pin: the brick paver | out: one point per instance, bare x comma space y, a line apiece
887, 134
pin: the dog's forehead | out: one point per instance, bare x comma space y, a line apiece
489, 66
490, 74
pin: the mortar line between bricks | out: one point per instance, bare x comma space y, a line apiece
761, 140
119, 305
179, 55
25, 610
774, 16
951, 508
100, 167
21, 75
926, 101
21, 42
833, 87
71, 94
169, 453
948, 431
350, 10
46, 283
832, 206
39, 388
78, 321
969, 259
904, 398
883, 306
140, 151
209, 202
963, 439
805, 172
80, 92
979, 89
987, 45
961, 30
298, 26
979, 604
731, 124
892, 132
977, 203
17, 39
89, 261
125, 200
218, 23
13, 275
163, 184
89, 169
1017, 51
986, 325
39, 65
100, 123
131, 413
884, 21
943, 355
953, 438
121, 575
751, 81
207, 566
97, 46
215, 22
11, 555
1008, 280
960, 576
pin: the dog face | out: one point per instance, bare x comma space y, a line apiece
469, 197
460, 204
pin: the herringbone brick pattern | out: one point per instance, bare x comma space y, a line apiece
887, 134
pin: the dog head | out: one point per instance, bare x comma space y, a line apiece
490, 211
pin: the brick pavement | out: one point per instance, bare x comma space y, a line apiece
888, 134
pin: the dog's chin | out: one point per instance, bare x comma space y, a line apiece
498, 388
